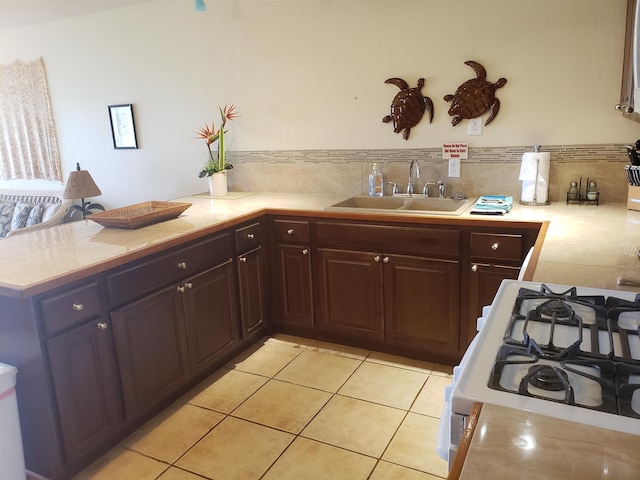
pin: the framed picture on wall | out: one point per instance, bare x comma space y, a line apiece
123, 130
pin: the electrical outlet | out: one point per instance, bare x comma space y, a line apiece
454, 167
475, 126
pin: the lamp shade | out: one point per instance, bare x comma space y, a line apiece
81, 185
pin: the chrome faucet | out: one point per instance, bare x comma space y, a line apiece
425, 189
440, 188
411, 179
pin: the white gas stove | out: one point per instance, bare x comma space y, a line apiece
570, 353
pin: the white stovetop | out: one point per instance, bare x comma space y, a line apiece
472, 384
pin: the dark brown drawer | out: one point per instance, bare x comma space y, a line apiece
249, 237
496, 246
388, 238
291, 231
70, 308
146, 276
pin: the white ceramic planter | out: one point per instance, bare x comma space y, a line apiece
218, 184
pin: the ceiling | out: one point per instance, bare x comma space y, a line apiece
18, 13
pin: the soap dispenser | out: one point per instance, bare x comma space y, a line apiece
376, 182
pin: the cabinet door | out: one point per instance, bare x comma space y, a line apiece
422, 302
210, 315
295, 295
484, 281
251, 272
86, 387
152, 353
350, 292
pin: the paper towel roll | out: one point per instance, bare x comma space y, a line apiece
532, 187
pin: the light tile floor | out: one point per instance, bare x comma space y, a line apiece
293, 408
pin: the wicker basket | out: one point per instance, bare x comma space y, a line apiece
140, 214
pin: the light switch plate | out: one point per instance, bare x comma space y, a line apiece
475, 126
454, 167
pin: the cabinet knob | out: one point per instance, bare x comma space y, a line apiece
250, 236
376, 258
188, 285
474, 268
495, 246
385, 259
305, 251
290, 231
182, 265
77, 307
102, 325
180, 289
243, 259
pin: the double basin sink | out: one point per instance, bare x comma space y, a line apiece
416, 204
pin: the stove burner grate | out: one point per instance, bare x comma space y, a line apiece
547, 378
510, 355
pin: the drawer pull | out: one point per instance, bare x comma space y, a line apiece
182, 265
77, 307
474, 268
290, 231
102, 325
250, 236
305, 251
243, 259
376, 258
385, 259
495, 246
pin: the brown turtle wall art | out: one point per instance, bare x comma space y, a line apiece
408, 106
475, 97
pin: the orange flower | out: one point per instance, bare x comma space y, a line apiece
211, 135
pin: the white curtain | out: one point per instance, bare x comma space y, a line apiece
28, 143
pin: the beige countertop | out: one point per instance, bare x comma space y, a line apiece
585, 244
509, 444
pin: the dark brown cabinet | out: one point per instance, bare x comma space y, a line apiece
251, 276
421, 302
152, 350
402, 299
164, 339
98, 356
350, 292
401, 293
86, 386
293, 273
494, 257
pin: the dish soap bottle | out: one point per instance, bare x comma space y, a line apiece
376, 183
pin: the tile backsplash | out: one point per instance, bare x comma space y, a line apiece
487, 171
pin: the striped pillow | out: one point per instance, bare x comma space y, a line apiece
20, 215
6, 215
35, 216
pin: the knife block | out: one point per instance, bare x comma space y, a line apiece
633, 199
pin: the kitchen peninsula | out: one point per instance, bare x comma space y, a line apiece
108, 268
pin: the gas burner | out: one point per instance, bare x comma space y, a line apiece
554, 307
548, 378
586, 383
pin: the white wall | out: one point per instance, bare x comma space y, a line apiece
309, 74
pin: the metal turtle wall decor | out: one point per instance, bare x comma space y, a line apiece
475, 97
408, 106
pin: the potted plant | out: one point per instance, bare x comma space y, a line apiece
216, 166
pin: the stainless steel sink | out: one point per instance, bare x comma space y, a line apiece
404, 205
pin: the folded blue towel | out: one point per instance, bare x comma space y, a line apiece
492, 205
